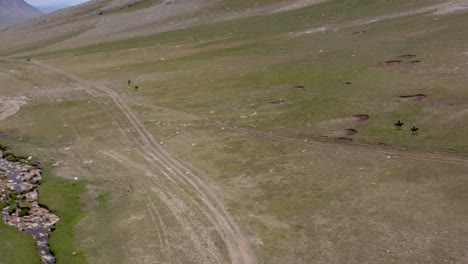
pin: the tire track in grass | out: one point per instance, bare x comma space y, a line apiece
199, 239
236, 242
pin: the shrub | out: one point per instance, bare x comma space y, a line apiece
23, 212
13, 196
11, 158
26, 162
12, 209
24, 205
3, 205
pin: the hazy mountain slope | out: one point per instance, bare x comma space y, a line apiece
14, 11
50, 8
105, 20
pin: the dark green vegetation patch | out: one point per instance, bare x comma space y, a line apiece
14, 242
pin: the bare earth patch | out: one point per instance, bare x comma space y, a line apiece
339, 123
10, 105
413, 97
452, 7
361, 117
344, 133
291, 5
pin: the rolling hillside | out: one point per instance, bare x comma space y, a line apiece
231, 131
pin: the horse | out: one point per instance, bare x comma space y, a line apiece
414, 130
398, 125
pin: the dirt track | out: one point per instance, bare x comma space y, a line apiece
236, 242
211, 205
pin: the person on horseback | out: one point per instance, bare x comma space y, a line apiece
398, 125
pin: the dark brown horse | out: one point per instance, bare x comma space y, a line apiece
398, 125
414, 130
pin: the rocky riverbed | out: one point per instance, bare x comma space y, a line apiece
19, 203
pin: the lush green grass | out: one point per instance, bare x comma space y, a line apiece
63, 198
17, 247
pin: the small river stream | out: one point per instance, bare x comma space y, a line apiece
40, 221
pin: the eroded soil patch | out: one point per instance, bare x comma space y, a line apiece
393, 61
349, 131
361, 117
344, 139
299, 87
413, 97
10, 105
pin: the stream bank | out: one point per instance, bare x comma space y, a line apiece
19, 205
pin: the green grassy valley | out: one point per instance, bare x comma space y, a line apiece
239, 132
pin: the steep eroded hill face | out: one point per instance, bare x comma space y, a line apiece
14, 11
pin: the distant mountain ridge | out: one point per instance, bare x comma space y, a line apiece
14, 11
50, 8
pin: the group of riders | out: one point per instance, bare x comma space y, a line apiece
398, 125
414, 129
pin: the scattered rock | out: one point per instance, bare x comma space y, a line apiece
31, 196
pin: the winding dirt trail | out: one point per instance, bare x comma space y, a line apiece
236, 242
209, 204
